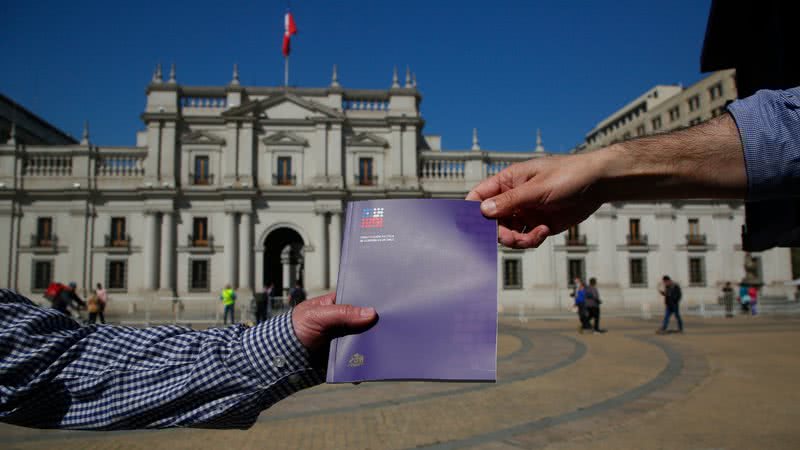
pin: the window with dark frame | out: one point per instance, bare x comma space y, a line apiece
118, 237
638, 272
202, 173
640, 130
715, 91
674, 113
200, 231
694, 103
199, 275
656, 123
574, 269
697, 271
512, 273
284, 175
42, 275
365, 173
116, 278
44, 231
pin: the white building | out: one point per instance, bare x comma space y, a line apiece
242, 185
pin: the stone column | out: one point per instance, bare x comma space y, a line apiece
335, 240
323, 239
246, 252
167, 282
151, 251
230, 248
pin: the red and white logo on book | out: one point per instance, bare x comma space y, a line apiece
372, 218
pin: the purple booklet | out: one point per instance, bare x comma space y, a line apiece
429, 267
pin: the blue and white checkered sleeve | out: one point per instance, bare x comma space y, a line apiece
769, 126
55, 373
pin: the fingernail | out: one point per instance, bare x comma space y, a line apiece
489, 207
367, 312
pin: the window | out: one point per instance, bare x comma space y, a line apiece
715, 91
200, 232
284, 176
116, 275
694, 103
512, 273
718, 111
626, 135
574, 237
198, 275
44, 231
634, 231
638, 272
640, 130
674, 114
697, 271
657, 123
42, 275
118, 237
694, 227
365, 174
202, 174
574, 269
695, 121
759, 268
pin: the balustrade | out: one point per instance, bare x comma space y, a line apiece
120, 165
365, 105
203, 102
47, 165
443, 169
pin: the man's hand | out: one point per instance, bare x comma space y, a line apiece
544, 196
318, 320
538, 198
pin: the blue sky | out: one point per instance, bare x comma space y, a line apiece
505, 67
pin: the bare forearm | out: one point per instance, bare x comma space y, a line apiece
706, 161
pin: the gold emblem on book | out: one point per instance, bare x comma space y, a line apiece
357, 360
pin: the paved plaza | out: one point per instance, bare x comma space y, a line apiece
724, 384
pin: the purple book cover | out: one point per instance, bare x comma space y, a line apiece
429, 267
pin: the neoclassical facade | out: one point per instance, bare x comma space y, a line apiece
246, 185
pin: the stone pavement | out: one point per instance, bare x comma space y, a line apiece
725, 384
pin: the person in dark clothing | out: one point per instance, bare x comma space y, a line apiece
297, 294
672, 298
264, 303
579, 293
593, 305
68, 298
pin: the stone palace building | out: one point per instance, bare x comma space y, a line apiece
243, 185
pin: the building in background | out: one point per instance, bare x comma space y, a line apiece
247, 185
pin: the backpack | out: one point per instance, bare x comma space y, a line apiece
53, 290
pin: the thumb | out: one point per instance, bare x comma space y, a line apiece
315, 325
507, 203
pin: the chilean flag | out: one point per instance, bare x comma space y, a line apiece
290, 28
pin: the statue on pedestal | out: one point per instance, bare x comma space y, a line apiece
751, 275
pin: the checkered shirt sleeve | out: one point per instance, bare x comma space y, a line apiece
769, 127
55, 373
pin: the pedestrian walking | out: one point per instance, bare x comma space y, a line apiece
744, 298
727, 298
593, 303
93, 307
228, 298
672, 298
579, 292
753, 294
102, 297
264, 303
297, 294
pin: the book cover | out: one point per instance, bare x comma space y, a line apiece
429, 268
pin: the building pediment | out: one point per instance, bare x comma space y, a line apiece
201, 137
285, 138
366, 140
284, 106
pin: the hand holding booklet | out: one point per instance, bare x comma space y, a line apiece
429, 268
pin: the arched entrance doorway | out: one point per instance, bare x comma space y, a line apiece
284, 259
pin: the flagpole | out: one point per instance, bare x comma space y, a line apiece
286, 71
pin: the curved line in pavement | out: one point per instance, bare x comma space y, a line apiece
672, 369
578, 352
